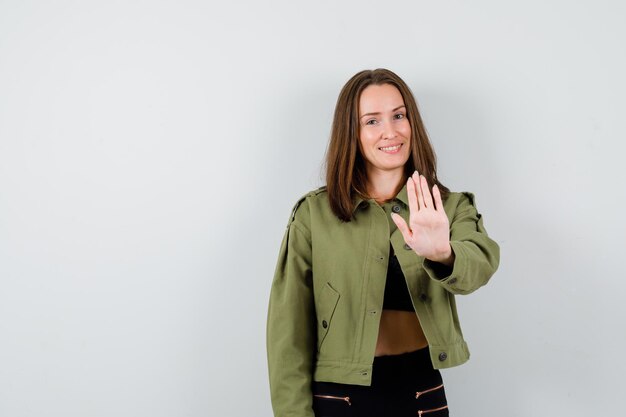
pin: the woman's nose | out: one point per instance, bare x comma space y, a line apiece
389, 132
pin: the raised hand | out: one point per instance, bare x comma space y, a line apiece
428, 231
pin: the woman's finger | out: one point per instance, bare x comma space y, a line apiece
418, 187
411, 193
402, 226
428, 200
437, 198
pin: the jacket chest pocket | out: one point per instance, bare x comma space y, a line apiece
328, 299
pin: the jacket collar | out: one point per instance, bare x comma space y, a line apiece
402, 196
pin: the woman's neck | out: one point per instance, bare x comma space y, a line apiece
383, 185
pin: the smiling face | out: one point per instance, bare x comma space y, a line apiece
384, 129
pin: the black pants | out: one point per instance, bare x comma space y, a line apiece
402, 385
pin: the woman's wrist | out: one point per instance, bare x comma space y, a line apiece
445, 257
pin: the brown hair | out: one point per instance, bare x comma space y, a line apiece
345, 167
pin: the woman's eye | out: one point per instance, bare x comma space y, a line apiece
399, 116
371, 122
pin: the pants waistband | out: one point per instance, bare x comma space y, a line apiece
402, 368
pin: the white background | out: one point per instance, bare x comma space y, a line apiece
151, 151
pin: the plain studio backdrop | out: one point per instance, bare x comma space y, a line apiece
151, 152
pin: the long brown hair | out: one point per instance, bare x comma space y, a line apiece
345, 166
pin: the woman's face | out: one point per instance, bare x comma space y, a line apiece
384, 129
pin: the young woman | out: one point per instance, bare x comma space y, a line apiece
362, 313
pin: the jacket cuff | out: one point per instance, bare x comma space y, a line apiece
445, 275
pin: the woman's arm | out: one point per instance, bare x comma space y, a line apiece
291, 322
476, 255
457, 253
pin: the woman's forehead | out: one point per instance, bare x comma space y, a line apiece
380, 98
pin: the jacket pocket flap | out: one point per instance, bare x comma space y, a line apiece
328, 300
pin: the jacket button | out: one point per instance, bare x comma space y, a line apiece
443, 356
395, 208
324, 324
423, 297
407, 247
452, 281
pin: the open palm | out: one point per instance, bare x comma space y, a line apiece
428, 231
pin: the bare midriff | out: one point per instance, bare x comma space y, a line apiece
399, 332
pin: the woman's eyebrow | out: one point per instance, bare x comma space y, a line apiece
374, 113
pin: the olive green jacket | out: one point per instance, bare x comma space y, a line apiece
327, 292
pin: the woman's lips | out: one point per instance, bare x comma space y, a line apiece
391, 149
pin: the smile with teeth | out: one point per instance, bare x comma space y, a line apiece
391, 149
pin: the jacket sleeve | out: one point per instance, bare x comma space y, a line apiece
476, 255
291, 322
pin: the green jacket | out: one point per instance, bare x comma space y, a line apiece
327, 292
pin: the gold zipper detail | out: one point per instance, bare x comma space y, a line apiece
332, 397
432, 410
418, 393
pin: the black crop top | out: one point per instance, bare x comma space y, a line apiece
397, 295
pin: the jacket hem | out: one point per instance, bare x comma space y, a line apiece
441, 356
448, 356
343, 372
